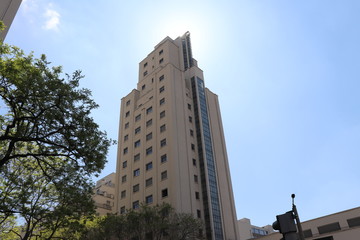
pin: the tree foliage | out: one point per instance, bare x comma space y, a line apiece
46, 114
155, 222
49, 146
42, 205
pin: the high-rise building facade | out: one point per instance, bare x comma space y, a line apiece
8, 9
171, 142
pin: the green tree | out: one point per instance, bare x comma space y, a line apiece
184, 226
2, 26
51, 113
8, 228
43, 205
106, 228
49, 146
148, 222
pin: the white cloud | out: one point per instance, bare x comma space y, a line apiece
52, 19
29, 5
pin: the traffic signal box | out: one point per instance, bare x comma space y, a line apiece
286, 225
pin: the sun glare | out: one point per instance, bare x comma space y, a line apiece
198, 34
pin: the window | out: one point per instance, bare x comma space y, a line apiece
307, 233
128, 103
126, 137
149, 151
162, 101
137, 157
325, 238
161, 78
136, 188
137, 130
161, 51
163, 142
353, 222
145, 64
259, 231
126, 125
196, 178
162, 128
124, 164
198, 213
122, 210
127, 114
194, 161
164, 193
137, 144
136, 205
193, 147
164, 175
149, 110
149, 199
329, 228
163, 158
190, 119
137, 172
149, 166
123, 194
145, 73
197, 195
161, 60
138, 117
149, 123
125, 151
191, 132
189, 106
161, 89
162, 114
148, 182
143, 87
149, 136
123, 179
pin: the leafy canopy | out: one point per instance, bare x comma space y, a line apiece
147, 222
50, 146
46, 115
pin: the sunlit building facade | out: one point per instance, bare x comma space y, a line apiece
249, 231
171, 142
104, 195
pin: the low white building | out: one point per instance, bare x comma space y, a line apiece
104, 195
248, 231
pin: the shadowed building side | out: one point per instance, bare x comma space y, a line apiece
8, 9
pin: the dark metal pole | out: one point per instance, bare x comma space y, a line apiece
301, 234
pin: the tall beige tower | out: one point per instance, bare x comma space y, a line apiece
171, 142
8, 9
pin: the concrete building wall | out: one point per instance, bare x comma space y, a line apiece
222, 166
248, 231
158, 129
338, 226
104, 195
8, 9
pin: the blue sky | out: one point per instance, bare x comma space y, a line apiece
286, 73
